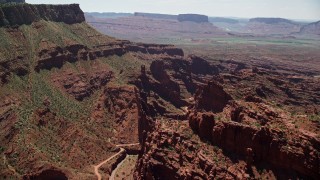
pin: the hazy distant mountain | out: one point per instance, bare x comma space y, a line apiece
272, 26
312, 28
255, 26
181, 17
156, 15
271, 20
108, 14
198, 18
151, 30
222, 20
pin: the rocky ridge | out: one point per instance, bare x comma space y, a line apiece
237, 137
26, 14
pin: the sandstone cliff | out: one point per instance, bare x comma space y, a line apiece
26, 14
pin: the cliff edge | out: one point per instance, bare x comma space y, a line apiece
20, 14
193, 18
12, 1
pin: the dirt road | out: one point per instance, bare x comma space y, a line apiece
96, 168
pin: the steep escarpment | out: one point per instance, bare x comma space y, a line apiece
198, 18
312, 28
57, 56
26, 14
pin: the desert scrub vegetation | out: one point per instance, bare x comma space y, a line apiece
315, 118
123, 67
4, 3
60, 103
57, 33
48, 31
4, 44
17, 84
33, 92
10, 45
89, 35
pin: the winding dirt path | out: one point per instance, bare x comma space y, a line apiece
96, 168
113, 174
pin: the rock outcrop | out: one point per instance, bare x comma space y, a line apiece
48, 172
124, 105
57, 56
193, 18
211, 97
201, 66
26, 14
266, 145
169, 155
202, 123
82, 85
269, 146
16, 66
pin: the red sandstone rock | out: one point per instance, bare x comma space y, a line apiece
212, 97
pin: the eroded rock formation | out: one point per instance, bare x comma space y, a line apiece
212, 97
238, 136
